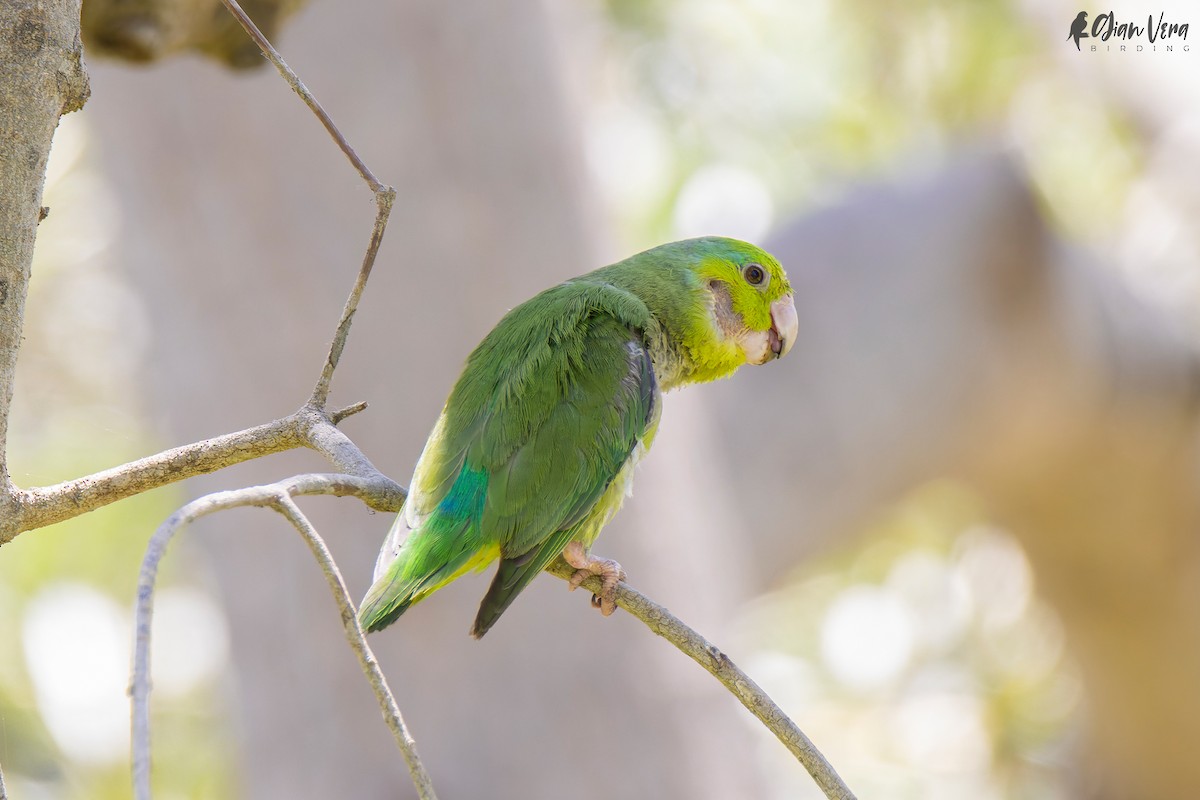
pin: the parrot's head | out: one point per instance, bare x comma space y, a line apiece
719, 303
751, 300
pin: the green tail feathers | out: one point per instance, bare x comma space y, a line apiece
405, 583
382, 606
514, 575
422, 566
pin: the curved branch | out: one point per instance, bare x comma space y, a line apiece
358, 642
320, 434
277, 496
662, 622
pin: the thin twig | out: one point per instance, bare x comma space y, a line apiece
3, 791
383, 201
277, 496
688, 641
317, 430
299, 88
35, 508
358, 641
384, 197
337, 416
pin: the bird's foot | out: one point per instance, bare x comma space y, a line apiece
586, 565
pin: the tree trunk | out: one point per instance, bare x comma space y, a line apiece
41, 78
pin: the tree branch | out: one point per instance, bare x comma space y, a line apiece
662, 622
45, 506
337, 416
22, 510
307, 427
3, 791
322, 435
278, 497
299, 88
383, 201
358, 641
311, 426
316, 429
384, 197
54, 34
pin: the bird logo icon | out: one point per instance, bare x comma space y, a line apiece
1078, 29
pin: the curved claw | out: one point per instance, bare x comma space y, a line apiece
586, 565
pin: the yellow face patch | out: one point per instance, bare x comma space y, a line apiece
751, 283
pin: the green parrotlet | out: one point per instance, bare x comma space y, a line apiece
535, 449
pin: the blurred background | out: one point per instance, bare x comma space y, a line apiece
953, 534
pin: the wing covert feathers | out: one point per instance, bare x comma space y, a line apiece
545, 416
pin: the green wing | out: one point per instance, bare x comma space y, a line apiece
562, 471
548, 410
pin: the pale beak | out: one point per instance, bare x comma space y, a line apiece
784, 326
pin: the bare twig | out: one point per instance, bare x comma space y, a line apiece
22, 510
662, 622
358, 641
383, 201
317, 430
277, 496
299, 88
384, 197
337, 416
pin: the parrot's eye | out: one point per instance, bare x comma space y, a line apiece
754, 274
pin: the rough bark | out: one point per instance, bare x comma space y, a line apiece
41, 78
